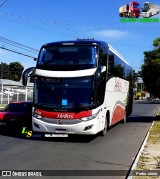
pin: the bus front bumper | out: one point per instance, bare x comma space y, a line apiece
145, 15
84, 127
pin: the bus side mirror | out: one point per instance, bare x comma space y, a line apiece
25, 75
98, 74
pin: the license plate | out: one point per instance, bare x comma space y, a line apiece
56, 135
60, 130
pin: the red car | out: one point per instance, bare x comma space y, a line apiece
16, 114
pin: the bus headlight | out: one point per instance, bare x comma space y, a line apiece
88, 118
37, 116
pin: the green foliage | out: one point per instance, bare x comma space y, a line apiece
13, 71
4, 71
156, 42
151, 69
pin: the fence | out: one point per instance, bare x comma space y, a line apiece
11, 91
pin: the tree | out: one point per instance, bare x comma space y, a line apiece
15, 71
4, 71
151, 69
156, 43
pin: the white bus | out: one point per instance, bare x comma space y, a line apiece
150, 9
80, 87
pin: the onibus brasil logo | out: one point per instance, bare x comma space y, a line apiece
133, 10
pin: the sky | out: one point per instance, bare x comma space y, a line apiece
35, 22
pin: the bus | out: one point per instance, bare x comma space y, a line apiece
80, 87
150, 9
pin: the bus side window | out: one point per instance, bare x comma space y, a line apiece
111, 65
116, 67
119, 67
103, 57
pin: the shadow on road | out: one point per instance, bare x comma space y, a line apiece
17, 133
147, 102
40, 136
140, 118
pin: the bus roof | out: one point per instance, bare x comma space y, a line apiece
119, 55
86, 42
78, 41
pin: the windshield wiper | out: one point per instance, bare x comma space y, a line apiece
87, 106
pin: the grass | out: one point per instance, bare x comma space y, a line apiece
146, 159
158, 161
154, 136
141, 163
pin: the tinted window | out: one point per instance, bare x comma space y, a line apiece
68, 55
18, 107
103, 54
118, 67
63, 92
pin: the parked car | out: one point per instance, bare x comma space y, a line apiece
16, 114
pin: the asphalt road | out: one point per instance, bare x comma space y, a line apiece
115, 151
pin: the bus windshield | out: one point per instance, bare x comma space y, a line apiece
145, 8
64, 93
68, 55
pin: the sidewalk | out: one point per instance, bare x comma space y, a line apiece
148, 157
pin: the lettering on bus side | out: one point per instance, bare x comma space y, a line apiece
38, 112
118, 85
65, 116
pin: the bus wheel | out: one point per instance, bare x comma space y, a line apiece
106, 126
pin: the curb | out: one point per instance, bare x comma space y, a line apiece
134, 165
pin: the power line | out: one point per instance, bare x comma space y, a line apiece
16, 52
75, 25
3, 3
17, 45
69, 26
49, 25
39, 28
74, 29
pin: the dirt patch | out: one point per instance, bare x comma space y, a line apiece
150, 158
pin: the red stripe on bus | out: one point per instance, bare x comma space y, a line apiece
118, 114
63, 115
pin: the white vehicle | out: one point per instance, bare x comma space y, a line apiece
149, 9
81, 87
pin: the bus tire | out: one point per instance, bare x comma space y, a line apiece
106, 125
